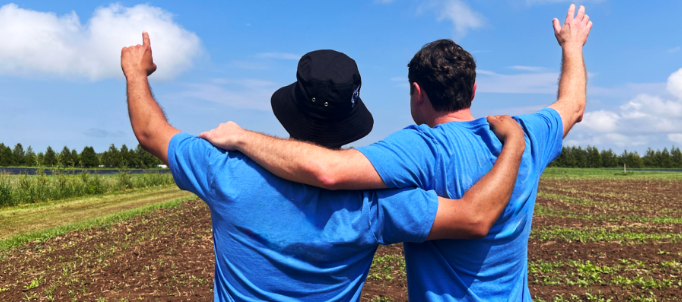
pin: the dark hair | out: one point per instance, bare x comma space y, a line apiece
446, 72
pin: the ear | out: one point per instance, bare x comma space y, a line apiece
419, 98
474, 94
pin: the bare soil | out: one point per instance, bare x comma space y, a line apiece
167, 255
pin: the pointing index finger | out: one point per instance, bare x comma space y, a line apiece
145, 39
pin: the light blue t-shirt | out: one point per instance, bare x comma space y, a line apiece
450, 158
277, 240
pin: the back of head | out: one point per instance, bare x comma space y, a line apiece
446, 72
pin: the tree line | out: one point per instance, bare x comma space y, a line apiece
591, 157
87, 158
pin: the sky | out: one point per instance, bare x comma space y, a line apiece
61, 83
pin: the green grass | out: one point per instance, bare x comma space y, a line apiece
21, 189
34, 217
112, 216
600, 234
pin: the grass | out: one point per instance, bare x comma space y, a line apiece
45, 234
21, 189
58, 217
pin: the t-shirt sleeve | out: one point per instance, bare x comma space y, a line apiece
189, 159
545, 131
402, 215
405, 159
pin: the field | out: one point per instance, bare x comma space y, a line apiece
597, 236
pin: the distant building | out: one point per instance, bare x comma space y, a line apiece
163, 166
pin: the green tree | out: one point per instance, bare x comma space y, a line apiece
6, 156
665, 161
64, 157
50, 157
30, 158
111, 158
609, 158
124, 157
75, 159
18, 155
40, 159
594, 159
650, 159
88, 157
676, 157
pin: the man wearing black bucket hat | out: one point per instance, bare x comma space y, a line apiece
279, 240
447, 150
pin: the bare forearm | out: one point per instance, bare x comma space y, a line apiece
310, 164
147, 119
289, 159
572, 86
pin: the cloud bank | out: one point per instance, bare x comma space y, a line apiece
42, 43
641, 120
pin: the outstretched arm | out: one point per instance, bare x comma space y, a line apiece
572, 84
149, 123
475, 213
299, 161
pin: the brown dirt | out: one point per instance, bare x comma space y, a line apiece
167, 255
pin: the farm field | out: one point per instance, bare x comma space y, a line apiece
596, 237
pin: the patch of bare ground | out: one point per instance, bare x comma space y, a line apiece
166, 255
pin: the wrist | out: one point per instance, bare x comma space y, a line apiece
135, 76
572, 48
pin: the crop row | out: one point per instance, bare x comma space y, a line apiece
25, 188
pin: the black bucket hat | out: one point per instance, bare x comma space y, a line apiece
323, 106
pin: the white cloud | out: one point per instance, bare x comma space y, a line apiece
46, 44
528, 68
675, 137
238, 93
675, 83
674, 49
644, 118
279, 55
489, 81
458, 12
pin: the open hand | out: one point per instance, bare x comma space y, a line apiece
507, 130
575, 30
137, 60
225, 137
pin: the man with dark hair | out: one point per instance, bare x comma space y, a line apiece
448, 153
278, 240
446, 72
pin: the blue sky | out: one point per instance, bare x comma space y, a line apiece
60, 82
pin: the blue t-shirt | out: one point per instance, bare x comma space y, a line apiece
450, 158
278, 240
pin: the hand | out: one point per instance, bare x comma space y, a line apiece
575, 30
137, 60
225, 137
507, 130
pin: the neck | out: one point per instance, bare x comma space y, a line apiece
463, 115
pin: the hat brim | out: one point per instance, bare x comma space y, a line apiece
332, 134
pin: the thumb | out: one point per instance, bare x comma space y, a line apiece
145, 39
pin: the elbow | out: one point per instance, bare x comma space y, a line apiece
479, 227
478, 232
328, 182
324, 177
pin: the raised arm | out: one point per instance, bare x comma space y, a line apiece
148, 120
475, 213
573, 82
299, 161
